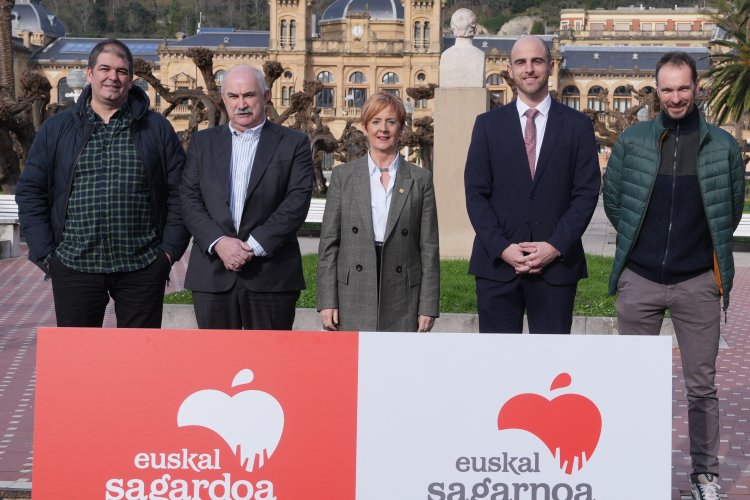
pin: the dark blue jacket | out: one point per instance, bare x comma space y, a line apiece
47, 178
505, 206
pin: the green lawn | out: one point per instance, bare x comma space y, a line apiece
458, 292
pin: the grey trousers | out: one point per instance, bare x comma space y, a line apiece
696, 315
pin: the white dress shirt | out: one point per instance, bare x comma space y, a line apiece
380, 199
244, 147
540, 121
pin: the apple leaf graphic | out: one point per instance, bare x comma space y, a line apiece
250, 422
570, 423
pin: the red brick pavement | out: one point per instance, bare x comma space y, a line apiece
26, 303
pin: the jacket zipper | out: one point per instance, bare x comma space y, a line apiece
148, 181
671, 203
70, 182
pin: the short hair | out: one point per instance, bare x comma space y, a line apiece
380, 101
547, 52
111, 46
676, 58
258, 73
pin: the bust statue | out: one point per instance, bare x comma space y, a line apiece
462, 65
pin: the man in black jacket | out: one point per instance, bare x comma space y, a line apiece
99, 199
245, 194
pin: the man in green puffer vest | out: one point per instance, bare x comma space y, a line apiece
674, 191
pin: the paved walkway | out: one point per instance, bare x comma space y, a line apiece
26, 303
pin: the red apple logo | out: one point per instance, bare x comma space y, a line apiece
569, 423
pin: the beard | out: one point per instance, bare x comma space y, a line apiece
532, 88
688, 107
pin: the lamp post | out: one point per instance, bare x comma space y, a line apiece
409, 107
76, 81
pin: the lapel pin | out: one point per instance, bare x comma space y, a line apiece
400, 190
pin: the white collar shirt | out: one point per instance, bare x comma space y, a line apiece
380, 199
244, 147
540, 121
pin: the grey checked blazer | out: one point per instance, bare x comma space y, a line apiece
410, 271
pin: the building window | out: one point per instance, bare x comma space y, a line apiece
494, 79
157, 102
62, 89
291, 92
284, 34
325, 77
709, 27
622, 27
646, 26
417, 35
660, 26
284, 97
498, 96
420, 103
141, 84
622, 98
593, 103
327, 162
390, 78
219, 77
356, 98
395, 92
571, 97
421, 77
324, 99
596, 26
684, 26
292, 33
426, 36
357, 77
287, 75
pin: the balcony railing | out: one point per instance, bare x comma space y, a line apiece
352, 111
635, 34
421, 43
328, 111
287, 42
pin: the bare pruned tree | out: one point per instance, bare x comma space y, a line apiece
420, 133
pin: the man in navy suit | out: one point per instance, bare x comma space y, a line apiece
532, 182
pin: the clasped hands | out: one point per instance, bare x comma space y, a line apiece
234, 253
529, 257
330, 319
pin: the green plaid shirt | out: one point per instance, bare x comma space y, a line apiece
110, 224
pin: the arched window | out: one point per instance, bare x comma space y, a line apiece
284, 97
622, 98
494, 79
292, 32
141, 84
62, 89
219, 77
390, 78
417, 35
648, 89
325, 77
291, 92
571, 97
357, 77
593, 103
426, 36
421, 77
287, 75
284, 34
324, 99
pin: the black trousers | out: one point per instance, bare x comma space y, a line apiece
239, 308
81, 298
501, 305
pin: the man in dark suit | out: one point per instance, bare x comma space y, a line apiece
245, 194
532, 181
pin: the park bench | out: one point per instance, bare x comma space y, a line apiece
744, 228
10, 229
317, 208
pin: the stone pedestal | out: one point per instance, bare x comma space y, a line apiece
456, 110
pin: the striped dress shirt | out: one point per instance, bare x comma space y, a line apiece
244, 147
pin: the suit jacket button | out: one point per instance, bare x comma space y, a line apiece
355, 230
533, 197
359, 267
527, 223
398, 269
404, 232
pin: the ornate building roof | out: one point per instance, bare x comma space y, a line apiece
380, 10
28, 15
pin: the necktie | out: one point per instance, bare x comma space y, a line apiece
530, 138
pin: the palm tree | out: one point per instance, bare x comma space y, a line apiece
7, 81
729, 75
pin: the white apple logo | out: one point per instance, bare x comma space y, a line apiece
250, 420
